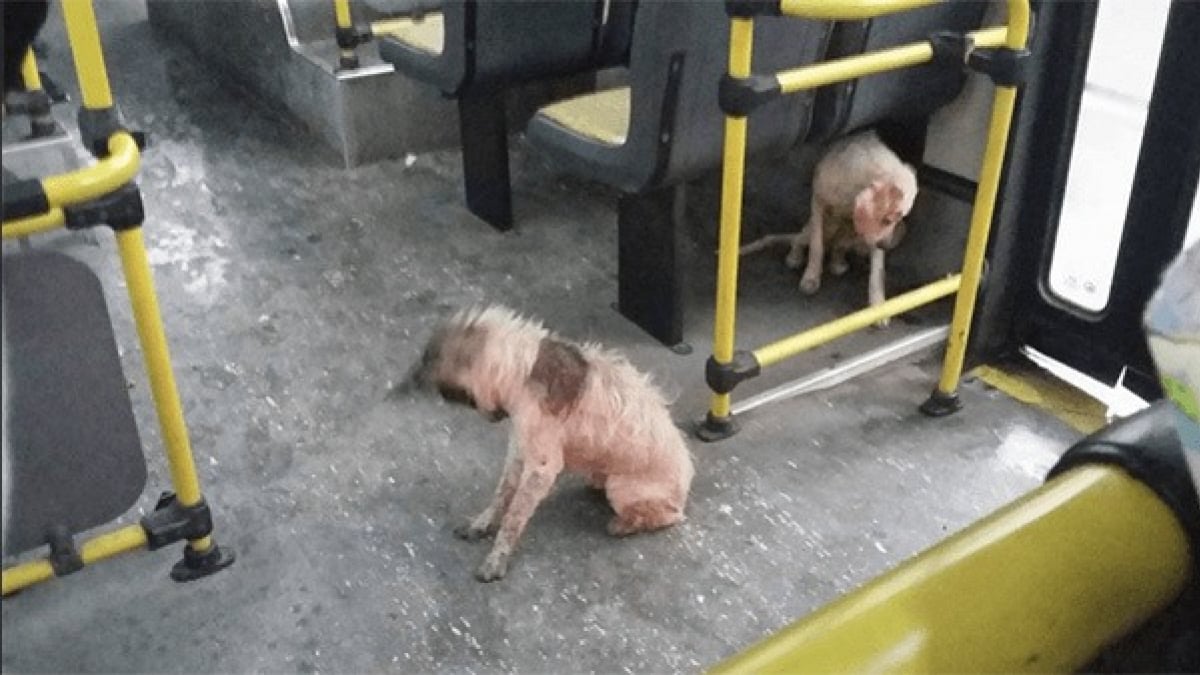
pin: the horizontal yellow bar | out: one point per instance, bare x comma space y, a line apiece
30, 225
872, 63
1040, 585
25, 575
849, 10
128, 538
832, 330
99, 179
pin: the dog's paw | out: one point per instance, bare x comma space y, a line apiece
838, 267
809, 285
493, 568
794, 262
619, 528
470, 532
883, 323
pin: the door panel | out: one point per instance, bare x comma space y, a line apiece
1079, 201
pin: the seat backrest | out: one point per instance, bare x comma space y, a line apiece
616, 36
902, 94
522, 40
489, 44
679, 52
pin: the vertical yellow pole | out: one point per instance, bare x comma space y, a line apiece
29, 72
1003, 103
341, 12
146, 315
741, 48
345, 21
89, 57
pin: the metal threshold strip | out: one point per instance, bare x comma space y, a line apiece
835, 375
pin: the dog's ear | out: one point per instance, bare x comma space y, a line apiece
895, 196
869, 207
560, 371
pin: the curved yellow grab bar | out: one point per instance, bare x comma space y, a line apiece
99, 179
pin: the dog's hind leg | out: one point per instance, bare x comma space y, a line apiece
488, 520
542, 464
795, 257
810, 281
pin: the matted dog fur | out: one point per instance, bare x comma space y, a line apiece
574, 407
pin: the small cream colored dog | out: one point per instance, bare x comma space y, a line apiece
573, 407
861, 194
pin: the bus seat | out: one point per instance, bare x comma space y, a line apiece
71, 446
474, 50
664, 128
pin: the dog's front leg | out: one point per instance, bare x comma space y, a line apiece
837, 259
875, 282
543, 462
810, 282
488, 520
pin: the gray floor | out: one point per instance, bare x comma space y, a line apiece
296, 292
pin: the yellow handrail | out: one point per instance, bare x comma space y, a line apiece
1050, 580
31, 225
733, 168
1013, 36
849, 10
832, 330
80, 18
861, 65
100, 179
104, 177
81, 186
101, 547
1004, 101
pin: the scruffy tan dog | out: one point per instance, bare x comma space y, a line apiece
575, 407
861, 194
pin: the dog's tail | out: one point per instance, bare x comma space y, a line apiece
766, 242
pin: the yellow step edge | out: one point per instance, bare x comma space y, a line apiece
1033, 386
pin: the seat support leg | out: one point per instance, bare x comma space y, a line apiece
650, 273
484, 136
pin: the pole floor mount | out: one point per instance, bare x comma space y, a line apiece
714, 429
941, 404
197, 565
171, 522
